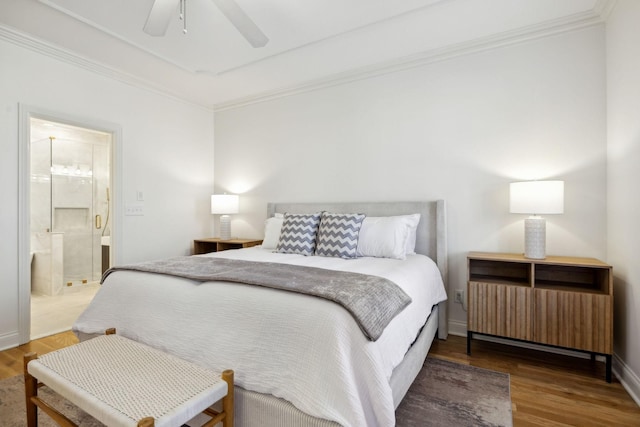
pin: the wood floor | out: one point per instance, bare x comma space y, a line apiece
546, 389
11, 360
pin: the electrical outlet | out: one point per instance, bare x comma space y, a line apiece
459, 295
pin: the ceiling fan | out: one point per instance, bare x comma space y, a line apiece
162, 11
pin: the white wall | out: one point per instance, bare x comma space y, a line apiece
459, 130
167, 152
623, 110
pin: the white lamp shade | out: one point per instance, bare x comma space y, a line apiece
537, 197
225, 204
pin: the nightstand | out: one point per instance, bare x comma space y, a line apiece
216, 244
562, 302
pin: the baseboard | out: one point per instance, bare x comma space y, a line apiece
458, 328
9, 340
629, 380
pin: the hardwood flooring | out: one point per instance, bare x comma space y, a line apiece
546, 389
11, 360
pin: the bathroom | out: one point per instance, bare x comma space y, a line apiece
70, 206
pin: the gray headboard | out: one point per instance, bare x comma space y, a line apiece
431, 236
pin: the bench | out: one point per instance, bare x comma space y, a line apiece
121, 382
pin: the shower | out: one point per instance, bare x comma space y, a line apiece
70, 168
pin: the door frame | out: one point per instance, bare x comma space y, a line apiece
25, 113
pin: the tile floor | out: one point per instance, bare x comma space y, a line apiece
53, 314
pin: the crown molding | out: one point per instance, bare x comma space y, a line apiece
598, 15
42, 47
533, 32
39, 46
604, 8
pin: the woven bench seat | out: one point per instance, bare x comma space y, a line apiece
121, 382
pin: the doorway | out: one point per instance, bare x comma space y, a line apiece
70, 216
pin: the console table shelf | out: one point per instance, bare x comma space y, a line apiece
216, 244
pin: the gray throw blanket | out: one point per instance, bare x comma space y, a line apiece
372, 301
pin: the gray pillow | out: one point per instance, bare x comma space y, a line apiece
338, 235
298, 234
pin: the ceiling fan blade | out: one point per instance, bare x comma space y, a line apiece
159, 17
242, 22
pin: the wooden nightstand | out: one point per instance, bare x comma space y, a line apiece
558, 301
216, 244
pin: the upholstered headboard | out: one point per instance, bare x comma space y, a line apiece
431, 235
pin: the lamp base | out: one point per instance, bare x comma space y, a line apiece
225, 227
535, 237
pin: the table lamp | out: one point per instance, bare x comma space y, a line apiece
534, 198
224, 205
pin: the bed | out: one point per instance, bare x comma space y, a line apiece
282, 344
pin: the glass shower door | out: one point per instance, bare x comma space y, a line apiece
75, 207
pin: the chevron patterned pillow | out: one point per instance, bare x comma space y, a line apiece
298, 234
338, 235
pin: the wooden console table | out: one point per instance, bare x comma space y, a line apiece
558, 301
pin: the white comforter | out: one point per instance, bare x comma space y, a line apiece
300, 348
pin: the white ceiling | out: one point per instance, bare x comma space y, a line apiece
311, 42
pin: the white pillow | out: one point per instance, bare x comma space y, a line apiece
272, 227
388, 236
413, 221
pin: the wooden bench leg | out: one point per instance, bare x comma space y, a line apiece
226, 415
146, 422
33, 402
31, 390
227, 401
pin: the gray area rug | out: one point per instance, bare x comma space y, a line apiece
451, 394
14, 414
444, 394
